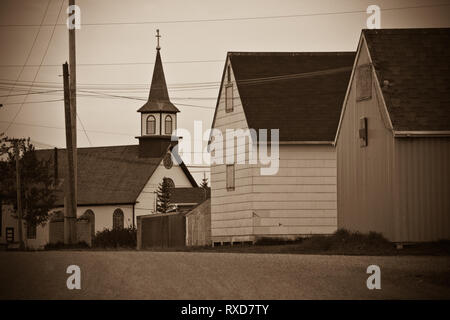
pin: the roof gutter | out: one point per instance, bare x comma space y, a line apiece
306, 142
418, 134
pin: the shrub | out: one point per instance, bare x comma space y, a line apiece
115, 238
61, 245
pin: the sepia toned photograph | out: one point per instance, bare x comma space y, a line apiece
224, 155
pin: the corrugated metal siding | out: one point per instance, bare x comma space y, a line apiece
423, 178
364, 174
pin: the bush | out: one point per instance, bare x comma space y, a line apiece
61, 245
115, 238
344, 241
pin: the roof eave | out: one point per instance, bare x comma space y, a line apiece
419, 134
306, 142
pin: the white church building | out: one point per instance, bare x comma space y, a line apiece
117, 183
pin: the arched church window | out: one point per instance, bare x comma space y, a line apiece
168, 125
151, 124
118, 219
89, 214
170, 182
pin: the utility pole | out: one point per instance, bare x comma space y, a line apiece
19, 193
71, 113
70, 212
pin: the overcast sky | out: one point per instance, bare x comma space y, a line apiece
192, 52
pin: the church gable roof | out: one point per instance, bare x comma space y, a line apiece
300, 93
415, 64
107, 175
189, 195
158, 98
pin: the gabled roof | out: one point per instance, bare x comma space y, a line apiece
107, 175
416, 64
189, 195
158, 98
300, 93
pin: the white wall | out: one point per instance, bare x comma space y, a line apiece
146, 199
104, 215
299, 200
9, 221
231, 211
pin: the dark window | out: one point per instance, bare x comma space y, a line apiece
31, 231
363, 132
89, 214
170, 183
229, 98
168, 125
230, 177
118, 219
1, 217
9, 234
168, 163
363, 82
151, 124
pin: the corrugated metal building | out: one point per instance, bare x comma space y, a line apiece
393, 140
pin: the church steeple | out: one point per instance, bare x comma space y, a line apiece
158, 114
158, 98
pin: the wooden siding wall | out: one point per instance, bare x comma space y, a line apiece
301, 198
231, 211
364, 174
198, 225
423, 193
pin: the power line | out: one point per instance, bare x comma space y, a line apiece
31, 49
233, 18
29, 93
112, 63
62, 128
84, 129
42, 60
32, 102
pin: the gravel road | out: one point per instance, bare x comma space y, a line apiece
199, 275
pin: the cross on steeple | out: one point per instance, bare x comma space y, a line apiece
157, 38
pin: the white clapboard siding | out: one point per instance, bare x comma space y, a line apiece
300, 199
231, 211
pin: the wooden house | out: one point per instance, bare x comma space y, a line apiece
301, 94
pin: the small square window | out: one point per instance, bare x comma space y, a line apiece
363, 132
229, 98
230, 177
363, 82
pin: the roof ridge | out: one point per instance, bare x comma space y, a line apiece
96, 147
293, 53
